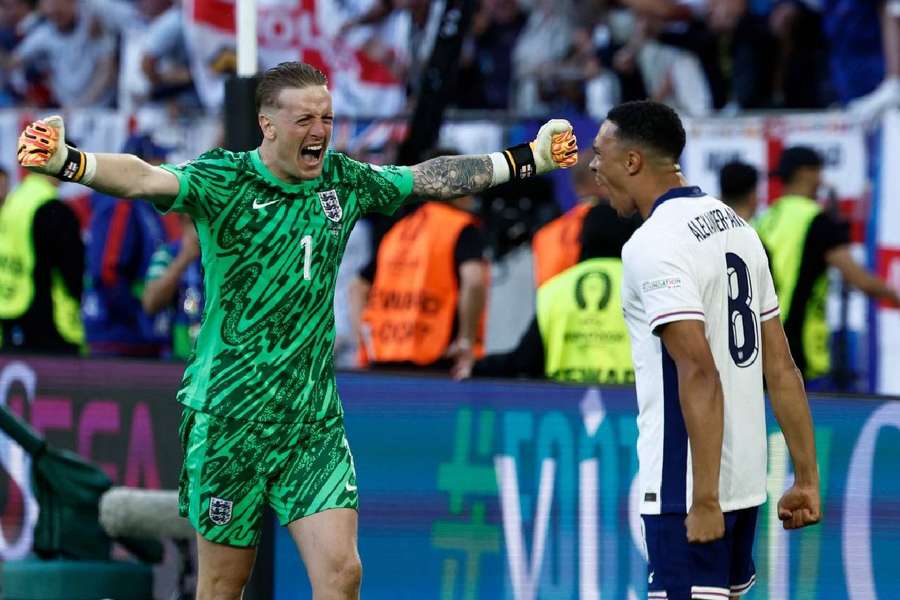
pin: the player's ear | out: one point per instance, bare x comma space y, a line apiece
633, 162
266, 125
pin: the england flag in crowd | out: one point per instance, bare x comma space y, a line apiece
364, 65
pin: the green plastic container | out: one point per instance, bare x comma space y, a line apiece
35, 579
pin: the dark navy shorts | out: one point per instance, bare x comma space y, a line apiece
716, 570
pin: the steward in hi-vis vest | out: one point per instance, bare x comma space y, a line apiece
578, 333
785, 230
557, 245
41, 270
579, 315
416, 301
802, 242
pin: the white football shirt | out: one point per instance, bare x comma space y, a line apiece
694, 258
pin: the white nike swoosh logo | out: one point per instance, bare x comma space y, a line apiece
258, 205
349, 487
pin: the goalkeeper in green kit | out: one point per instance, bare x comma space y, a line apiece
262, 422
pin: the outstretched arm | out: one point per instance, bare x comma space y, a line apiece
127, 176
447, 177
857, 276
42, 148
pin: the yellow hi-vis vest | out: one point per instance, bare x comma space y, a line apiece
783, 229
17, 260
579, 314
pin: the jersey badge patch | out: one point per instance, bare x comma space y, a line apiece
220, 510
665, 283
331, 205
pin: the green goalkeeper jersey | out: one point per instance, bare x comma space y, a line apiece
271, 252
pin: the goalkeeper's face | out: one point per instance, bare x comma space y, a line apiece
299, 130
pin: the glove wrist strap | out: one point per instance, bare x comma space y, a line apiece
521, 161
78, 167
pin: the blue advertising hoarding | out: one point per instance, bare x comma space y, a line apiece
527, 491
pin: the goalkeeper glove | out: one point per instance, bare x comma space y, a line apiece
554, 147
43, 149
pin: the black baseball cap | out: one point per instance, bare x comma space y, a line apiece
797, 157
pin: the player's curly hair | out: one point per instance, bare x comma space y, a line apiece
286, 75
651, 125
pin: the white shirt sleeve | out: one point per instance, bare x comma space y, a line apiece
668, 288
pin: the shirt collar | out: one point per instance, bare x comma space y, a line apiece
677, 192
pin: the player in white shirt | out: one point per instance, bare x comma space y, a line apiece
700, 306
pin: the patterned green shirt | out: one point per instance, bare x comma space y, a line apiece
271, 252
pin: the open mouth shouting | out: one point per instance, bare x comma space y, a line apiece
311, 155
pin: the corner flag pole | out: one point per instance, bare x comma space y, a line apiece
241, 127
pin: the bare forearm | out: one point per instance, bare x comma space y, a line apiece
859, 277
472, 299
159, 292
702, 406
358, 296
447, 177
872, 285
127, 176
791, 409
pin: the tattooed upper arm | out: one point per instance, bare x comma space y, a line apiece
448, 177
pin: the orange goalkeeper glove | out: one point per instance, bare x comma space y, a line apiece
555, 147
43, 149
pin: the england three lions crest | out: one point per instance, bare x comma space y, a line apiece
331, 205
220, 510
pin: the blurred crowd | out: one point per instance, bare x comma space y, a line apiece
529, 56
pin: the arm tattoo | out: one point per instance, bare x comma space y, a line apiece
447, 177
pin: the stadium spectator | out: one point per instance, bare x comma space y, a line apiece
577, 81
615, 32
122, 237
165, 61
422, 32
486, 73
670, 47
801, 70
751, 53
174, 287
41, 270
72, 28
423, 298
858, 62
737, 188
578, 333
803, 241
544, 40
557, 245
17, 18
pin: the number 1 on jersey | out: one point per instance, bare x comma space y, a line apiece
306, 242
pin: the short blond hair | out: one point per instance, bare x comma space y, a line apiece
283, 76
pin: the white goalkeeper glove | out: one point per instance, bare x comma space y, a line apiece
43, 149
555, 147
